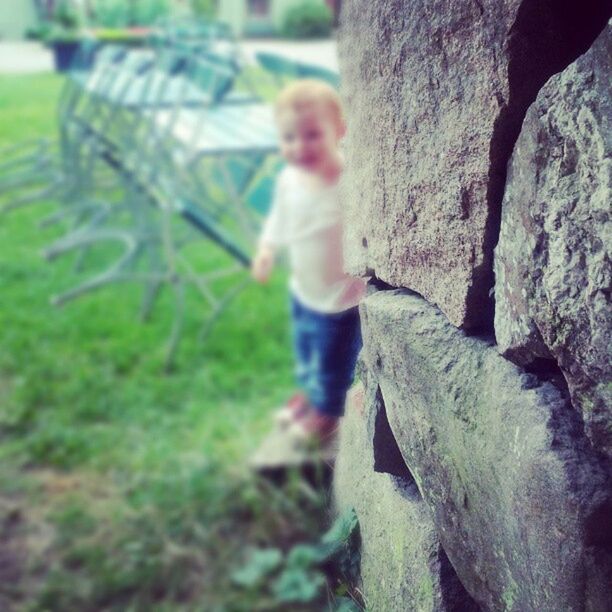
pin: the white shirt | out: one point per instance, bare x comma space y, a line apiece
306, 218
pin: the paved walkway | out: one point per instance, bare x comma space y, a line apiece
22, 57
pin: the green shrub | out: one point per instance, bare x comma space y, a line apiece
66, 16
57, 20
150, 11
203, 8
310, 19
112, 13
122, 13
298, 577
39, 32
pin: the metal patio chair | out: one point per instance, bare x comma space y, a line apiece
170, 154
209, 165
44, 169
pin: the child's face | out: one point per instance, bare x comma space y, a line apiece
309, 138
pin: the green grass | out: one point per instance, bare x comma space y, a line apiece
136, 476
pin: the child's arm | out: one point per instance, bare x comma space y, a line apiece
271, 238
263, 262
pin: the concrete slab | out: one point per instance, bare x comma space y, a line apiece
280, 451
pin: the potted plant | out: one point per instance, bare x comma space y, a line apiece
64, 36
65, 46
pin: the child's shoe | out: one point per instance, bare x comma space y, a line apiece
314, 429
296, 406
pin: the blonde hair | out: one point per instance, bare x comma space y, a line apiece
304, 93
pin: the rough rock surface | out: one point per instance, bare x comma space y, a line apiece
435, 94
552, 263
519, 500
403, 566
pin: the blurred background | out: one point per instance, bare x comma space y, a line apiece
139, 366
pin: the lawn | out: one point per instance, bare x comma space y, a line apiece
123, 487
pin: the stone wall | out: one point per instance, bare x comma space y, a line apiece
477, 194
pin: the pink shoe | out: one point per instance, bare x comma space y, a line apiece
295, 407
314, 429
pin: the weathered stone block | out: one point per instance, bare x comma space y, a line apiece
519, 499
435, 94
403, 566
552, 263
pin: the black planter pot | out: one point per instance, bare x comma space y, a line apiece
64, 53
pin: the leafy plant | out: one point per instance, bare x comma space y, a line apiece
148, 12
344, 604
64, 23
112, 13
298, 585
298, 577
311, 19
344, 539
66, 16
123, 13
260, 564
39, 32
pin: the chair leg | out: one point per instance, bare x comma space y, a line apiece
177, 324
153, 288
218, 310
96, 219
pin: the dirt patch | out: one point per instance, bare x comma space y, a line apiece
24, 541
12, 553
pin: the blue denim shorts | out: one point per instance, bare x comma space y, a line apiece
326, 348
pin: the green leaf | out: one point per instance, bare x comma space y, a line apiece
298, 586
342, 529
260, 563
344, 604
307, 555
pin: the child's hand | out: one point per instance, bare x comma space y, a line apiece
262, 264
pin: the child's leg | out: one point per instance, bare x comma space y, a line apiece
337, 346
335, 341
302, 329
298, 404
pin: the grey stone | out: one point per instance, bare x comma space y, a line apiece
435, 94
521, 502
403, 566
552, 263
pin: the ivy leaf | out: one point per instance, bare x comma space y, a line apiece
345, 604
344, 535
298, 586
260, 563
342, 529
304, 556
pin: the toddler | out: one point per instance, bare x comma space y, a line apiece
305, 217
